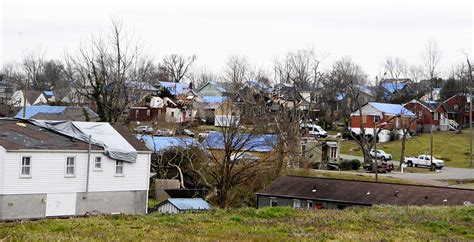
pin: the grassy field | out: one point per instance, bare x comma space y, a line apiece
280, 223
453, 148
467, 183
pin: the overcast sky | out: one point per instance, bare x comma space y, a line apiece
367, 31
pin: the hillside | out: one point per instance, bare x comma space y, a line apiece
453, 148
388, 223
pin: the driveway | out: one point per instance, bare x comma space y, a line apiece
447, 173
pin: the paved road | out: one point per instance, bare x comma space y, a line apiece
446, 173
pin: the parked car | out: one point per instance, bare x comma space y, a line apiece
382, 155
243, 157
164, 132
144, 129
314, 130
382, 167
333, 166
425, 161
184, 132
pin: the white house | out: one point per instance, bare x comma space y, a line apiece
54, 169
32, 98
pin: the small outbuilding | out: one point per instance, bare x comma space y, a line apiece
181, 205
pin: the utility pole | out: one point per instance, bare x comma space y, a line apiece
431, 146
374, 137
470, 125
24, 99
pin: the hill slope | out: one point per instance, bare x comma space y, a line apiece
393, 223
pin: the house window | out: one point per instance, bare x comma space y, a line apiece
70, 167
148, 112
364, 119
172, 114
309, 204
296, 203
119, 168
420, 114
376, 119
273, 202
25, 166
136, 114
333, 152
98, 163
435, 116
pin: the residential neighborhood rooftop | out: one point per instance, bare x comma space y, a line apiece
366, 192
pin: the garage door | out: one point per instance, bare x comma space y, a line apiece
60, 204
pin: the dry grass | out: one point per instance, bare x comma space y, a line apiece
280, 223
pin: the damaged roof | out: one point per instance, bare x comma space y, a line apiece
46, 112
21, 134
366, 192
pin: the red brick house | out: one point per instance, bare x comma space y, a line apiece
385, 116
430, 114
458, 109
147, 114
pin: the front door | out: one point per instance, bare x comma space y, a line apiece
60, 204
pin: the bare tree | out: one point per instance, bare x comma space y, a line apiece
229, 150
395, 67
102, 68
177, 66
431, 57
202, 76
405, 128
237, 71
33, 65
300, 69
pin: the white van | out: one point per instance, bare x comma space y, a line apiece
314, 130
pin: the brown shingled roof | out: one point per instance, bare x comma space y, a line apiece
32, 95
130, 137
365, 192
16, 135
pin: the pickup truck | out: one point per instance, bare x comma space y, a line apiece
424, 160
380, 155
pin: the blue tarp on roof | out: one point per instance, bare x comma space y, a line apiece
213, 99
48, 94
341, 96
392, 86
31, 111
159, 143
174, 88
243, 142
189, 203
394, 109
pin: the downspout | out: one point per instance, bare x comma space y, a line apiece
88, 167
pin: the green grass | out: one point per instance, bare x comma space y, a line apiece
466, 183
279, 223
346, 176
453, 148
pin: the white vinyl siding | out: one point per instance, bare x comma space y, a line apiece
70, 167
49, 170
168, 208
2, 158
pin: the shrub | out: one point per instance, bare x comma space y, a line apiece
349, 165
